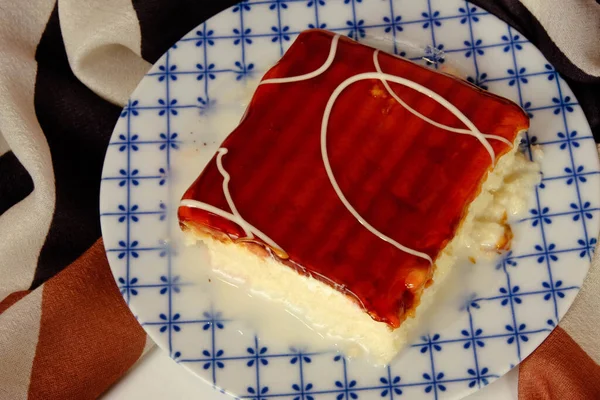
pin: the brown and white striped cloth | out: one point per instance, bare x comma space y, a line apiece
66, 67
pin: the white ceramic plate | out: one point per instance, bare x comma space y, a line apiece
194, 96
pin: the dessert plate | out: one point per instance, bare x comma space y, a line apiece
487, 317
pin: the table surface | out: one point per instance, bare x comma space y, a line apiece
156, 376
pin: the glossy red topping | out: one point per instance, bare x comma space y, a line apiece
407, 178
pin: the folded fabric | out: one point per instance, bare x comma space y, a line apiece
67, 68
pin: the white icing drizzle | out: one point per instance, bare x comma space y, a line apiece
423, 117
250, 230
234, 216
408, 83
329, 61
310, 75
226, 178
336, 187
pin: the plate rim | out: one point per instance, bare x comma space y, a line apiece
104, 228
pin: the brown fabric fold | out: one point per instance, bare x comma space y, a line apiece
12, 299
559, 370
88, 337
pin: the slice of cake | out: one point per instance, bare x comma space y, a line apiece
348, 183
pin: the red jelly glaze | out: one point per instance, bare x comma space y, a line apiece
408, 179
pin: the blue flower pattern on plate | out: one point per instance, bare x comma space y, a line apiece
238, 32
